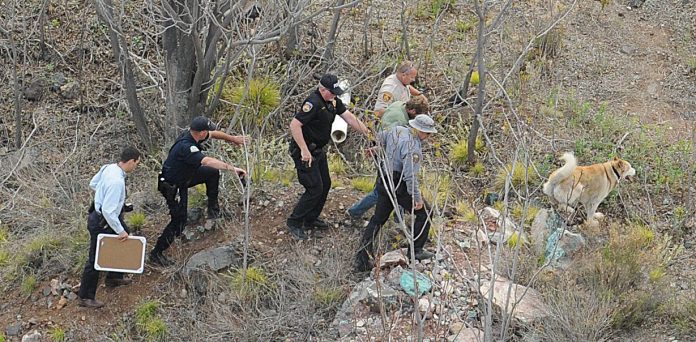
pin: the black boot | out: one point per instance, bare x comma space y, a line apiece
213, 211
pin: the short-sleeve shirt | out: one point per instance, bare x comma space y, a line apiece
316, 116
391, 90
395, 115
183, 160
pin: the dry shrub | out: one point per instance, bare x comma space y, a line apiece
612, 287
575, 315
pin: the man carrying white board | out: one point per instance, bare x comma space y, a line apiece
105, 217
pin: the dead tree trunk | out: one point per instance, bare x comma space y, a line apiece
481, 95
292, 35
17, 91
328, 53
120, 49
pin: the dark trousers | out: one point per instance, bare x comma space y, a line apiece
178, 208
384, 208
90, 277
317, 183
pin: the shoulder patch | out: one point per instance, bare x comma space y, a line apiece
416, 158
194, 149
307, 107
387, 96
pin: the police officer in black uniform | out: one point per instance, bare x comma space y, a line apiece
186, 166
311, 131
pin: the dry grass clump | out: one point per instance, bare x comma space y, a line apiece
519, 175
616, 286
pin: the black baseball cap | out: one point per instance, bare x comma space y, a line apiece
201, 123
330, 82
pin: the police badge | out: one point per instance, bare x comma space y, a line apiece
307, 107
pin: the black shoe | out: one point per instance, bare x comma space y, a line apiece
90, 303
117, 282
423, 254
213, 212
160, 260
297, 232
317, 224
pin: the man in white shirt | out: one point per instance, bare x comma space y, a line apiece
109, 185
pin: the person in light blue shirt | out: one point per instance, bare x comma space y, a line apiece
105, 216
398, 183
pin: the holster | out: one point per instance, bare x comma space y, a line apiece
167, 189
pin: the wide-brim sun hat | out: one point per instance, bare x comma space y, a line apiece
423, 123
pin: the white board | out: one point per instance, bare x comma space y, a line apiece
114, 255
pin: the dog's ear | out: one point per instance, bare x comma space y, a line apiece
616, 158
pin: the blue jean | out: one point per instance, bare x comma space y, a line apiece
363, 205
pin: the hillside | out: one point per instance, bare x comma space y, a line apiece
602, 79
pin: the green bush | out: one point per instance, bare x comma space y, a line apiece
518, 176
460, 150
250, 285
146, 311
364, 184
155, 329
197, 196
57, 334
28, 285
136, 220
148, 322
328, 296
336, 164
262, 97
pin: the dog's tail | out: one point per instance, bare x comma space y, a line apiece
564, 172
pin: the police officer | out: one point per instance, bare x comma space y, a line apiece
106, 216
398, 113
399, 178
186, 166
397, 87
311, 131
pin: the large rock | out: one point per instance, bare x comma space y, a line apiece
392, 259
33, 336
344, 319
552, 239
461, 333
498, 227
408, 283
524, 303
213, 259
13, 329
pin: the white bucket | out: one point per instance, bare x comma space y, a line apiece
339, 128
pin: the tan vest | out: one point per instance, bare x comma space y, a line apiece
392, 90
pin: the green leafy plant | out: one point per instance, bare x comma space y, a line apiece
57, 334
336, 164
364, 184
435, 188
478, 169
136, 220
262, 97
460, 150
327, 296
146, 311
463, 26
250, 285
155, 329
519, 174
28, 285
197, 196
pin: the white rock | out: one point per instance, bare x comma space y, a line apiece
524, 303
